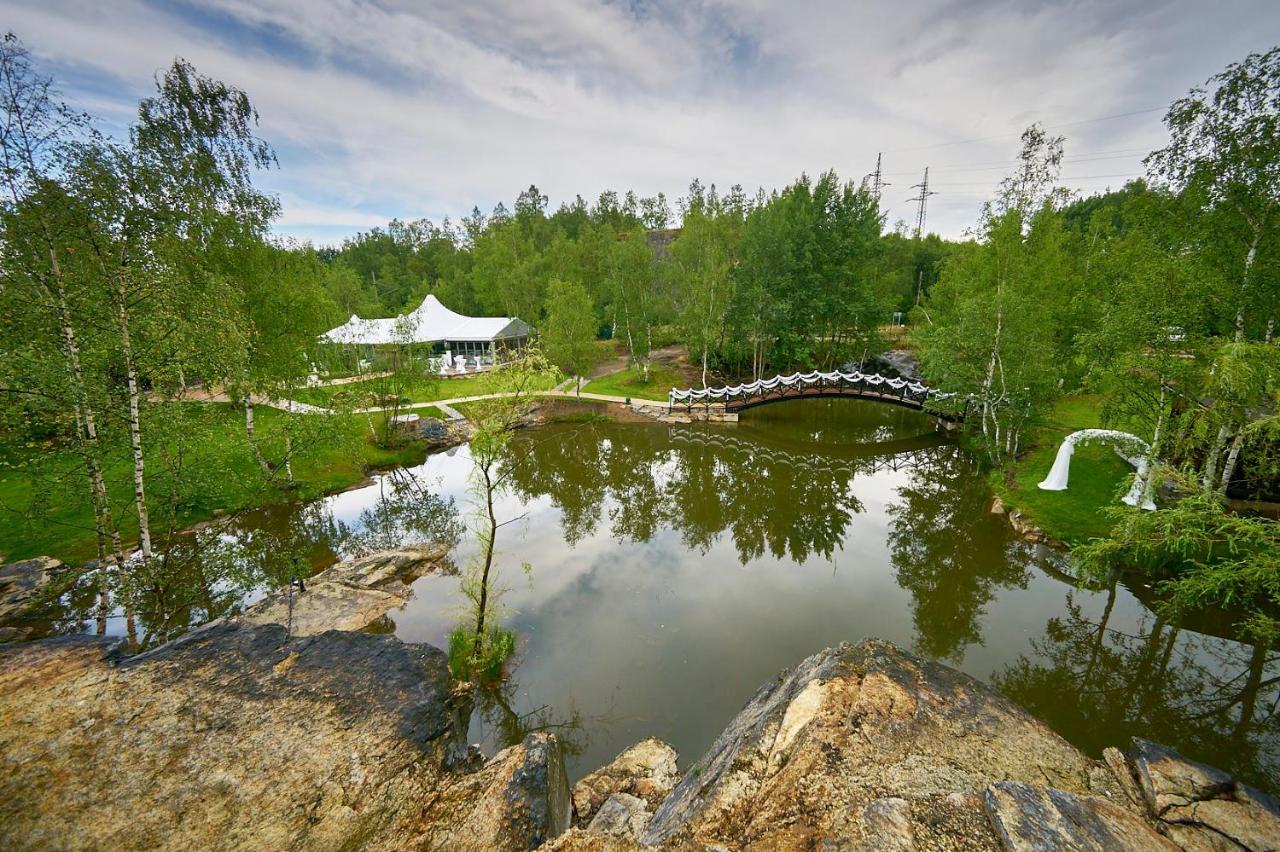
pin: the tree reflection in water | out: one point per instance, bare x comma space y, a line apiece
218, 569
1215, 698
703, 483
951, 558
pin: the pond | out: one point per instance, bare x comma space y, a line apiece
657, 575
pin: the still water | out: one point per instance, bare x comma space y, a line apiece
657, 575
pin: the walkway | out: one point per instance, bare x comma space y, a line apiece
856, 384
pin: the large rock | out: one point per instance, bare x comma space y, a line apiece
350, 595
238, 737
1202, 807
1028, 818
647, 771
867, 746
21, 584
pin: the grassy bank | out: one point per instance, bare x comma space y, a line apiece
630, 382
428, 389
1098, 476
45, 510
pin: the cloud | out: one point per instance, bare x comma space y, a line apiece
429, 108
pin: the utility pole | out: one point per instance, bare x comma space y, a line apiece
921, 200
877, 182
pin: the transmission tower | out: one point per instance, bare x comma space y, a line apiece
876, 179
922, 200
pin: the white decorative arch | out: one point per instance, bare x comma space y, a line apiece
1131, 448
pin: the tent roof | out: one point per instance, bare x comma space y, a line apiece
428, 323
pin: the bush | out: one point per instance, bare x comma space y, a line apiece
499, 645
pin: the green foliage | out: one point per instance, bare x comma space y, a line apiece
1201, 554
482, 662
569, 334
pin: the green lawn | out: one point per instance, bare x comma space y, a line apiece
631, 383
1096, 482
428, 389
45, 510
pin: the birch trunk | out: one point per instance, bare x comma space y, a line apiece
1244, 284
1211, 461
253, 438
1229, 468
135, 425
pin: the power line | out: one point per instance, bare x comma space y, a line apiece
1019, 133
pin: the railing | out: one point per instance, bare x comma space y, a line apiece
799, 384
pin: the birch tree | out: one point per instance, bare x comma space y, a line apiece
1224, 155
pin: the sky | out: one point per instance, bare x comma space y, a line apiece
428, 109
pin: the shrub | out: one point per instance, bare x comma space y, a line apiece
499, 645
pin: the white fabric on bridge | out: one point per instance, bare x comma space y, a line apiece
800, 380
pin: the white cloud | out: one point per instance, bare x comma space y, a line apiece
415, 109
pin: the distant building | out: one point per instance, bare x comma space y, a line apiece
480, 339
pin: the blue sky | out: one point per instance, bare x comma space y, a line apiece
425, 109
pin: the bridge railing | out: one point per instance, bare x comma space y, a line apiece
778, 386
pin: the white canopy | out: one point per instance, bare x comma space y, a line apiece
431, 322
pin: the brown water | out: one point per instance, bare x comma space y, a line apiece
675, 569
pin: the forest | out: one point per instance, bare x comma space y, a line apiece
139, 271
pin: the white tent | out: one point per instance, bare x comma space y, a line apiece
431, 322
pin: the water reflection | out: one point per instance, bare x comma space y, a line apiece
949, 554
676, 568
1212, 696
786, 501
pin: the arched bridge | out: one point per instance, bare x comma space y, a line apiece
855, 384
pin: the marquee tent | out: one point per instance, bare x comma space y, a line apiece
432, 322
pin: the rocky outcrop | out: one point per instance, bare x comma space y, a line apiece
646, 772
1202, 807
21, 585
238, 737
350, 595
867, 747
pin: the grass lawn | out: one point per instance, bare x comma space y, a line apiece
45, 510
429, 389
630, 382
1097, 476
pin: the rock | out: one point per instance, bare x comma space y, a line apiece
888, 825
518, 800
621, 815
1032, 818
997, 506
1202, 806
433, 430
350, 595
1123, 774
831, 750
646, 770
236, 736
20, 586
580, 840
904, 362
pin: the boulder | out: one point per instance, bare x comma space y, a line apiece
622, 815
519, 799
350, 595
1028, 818
237, 736
20, 586
646, 771
433, 430
867, 746
1202, 807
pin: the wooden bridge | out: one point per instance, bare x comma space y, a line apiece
857, 385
